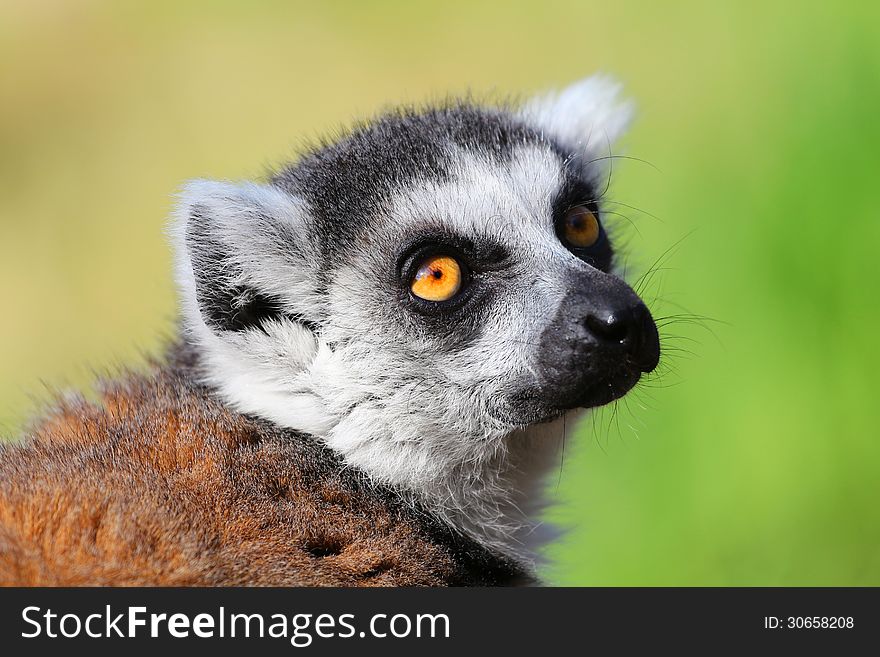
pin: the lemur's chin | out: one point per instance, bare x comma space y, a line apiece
614, 387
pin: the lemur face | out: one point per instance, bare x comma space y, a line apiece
423, 287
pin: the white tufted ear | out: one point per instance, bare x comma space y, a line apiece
247, 275
587, 116
241, 255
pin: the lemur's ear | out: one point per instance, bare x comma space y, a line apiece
587, 116
240, 255
247, 276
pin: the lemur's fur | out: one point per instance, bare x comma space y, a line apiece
316, 424
162, 484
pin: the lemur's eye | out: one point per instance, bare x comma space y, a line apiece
438, 278
580, 227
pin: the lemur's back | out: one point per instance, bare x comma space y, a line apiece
162, 485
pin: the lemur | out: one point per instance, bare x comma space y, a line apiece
378, 347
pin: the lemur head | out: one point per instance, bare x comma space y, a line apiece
421, 289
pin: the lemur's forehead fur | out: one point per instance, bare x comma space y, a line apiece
359, 175
297, 294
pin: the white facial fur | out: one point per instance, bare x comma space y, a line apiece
381, 394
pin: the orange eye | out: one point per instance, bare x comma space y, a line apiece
580, 228
438, 279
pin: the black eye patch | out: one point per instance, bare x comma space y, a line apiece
576, 192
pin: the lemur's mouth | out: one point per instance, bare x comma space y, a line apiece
618, 382
547, 401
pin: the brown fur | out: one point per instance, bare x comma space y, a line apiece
160, 484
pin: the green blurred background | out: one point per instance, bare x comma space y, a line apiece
753, 460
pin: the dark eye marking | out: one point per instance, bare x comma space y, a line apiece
578, 226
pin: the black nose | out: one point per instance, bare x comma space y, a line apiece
630, 329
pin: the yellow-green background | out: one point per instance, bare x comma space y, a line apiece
754, 462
